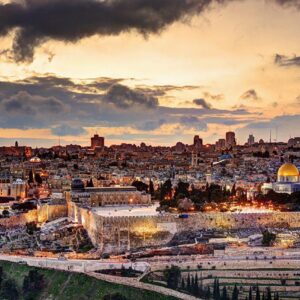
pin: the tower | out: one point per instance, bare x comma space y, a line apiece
97, 141
230, 139
194, 161
198, 143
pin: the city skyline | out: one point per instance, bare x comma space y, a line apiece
201, 68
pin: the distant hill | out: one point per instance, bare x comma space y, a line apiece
46, 284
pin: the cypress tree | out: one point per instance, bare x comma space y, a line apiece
216, 292
250, 293
208, 294
182, 284
269, 295
257, 297
188, 283
224, 294
196, 286
235, 293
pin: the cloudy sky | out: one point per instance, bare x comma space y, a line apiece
158, 71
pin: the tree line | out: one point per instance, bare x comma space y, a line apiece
193, 286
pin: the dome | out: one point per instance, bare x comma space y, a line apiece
77, 184
35, 159
288, 169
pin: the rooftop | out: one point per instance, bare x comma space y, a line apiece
127, 211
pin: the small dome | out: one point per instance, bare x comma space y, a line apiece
35, 159
288, 169
19, 181
77, 184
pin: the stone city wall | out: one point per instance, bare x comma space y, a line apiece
50, 212
119, 234
20, 219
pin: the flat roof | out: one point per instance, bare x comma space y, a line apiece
111, 189
126, 211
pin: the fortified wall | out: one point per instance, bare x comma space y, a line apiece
20, 219
50, 212
118, 234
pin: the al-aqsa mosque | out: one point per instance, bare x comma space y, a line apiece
288, 180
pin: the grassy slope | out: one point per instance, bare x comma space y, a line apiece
73, 286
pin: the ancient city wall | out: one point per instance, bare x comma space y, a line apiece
51, 212
119, 234
20, 219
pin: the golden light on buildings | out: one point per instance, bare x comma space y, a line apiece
146, 230
288, 169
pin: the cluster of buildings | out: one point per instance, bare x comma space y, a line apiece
92, 186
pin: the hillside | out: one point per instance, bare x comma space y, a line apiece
59, 285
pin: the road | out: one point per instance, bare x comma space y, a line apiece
88, 267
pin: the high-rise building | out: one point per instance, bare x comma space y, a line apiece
230, 139
198, 143
220, 144
251, 139
97, 141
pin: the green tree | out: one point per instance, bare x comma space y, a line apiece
182, 284
33, 284
208, 293
166, 190
30, 177
235, 293
9, 290
216, 291
269, 294
188, 283
257, 297
268, 238
224, 293
38, 178
196, 285
31, 227
173, 276
182, 188
116, 296
151, 188
1, 275
233, 190
5, 213
250, 293
140, 186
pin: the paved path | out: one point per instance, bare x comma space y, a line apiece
88, 267
141, 285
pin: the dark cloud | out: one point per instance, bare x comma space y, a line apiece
67, 107
283, 122
124, 97
65, 130
202, 103
193, 122
38, 21
24, 103
150, 125
250, 95
285, 61
294, 3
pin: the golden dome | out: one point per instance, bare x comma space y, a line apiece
288, 169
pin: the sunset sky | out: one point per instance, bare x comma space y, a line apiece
158, 71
